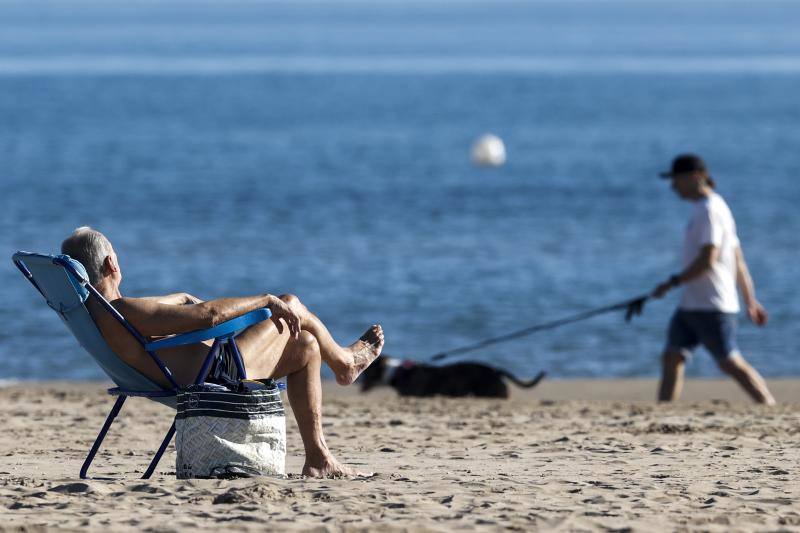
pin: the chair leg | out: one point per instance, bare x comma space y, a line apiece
212, 354
237, 357
160, 452
96, 446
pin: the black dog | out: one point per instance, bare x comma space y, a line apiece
409, 378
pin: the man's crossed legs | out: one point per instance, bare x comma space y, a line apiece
270, 351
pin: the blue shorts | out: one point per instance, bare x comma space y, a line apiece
713, 329
223, 369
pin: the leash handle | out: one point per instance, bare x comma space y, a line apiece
633, 307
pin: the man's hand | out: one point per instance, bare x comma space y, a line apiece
664, 288
757, 313
281, 309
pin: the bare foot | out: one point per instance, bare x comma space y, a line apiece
360, 355
331, 468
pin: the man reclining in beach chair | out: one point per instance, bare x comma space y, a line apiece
292, 344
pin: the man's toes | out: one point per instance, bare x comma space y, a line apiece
372, 335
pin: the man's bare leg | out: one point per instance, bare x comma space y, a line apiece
301, 363
748, 377
347, 362
270, 353
673, 363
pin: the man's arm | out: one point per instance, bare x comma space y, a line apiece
178, 298
154, 319
708, 254
755, 310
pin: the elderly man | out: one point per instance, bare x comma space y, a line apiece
292, 344
713, 265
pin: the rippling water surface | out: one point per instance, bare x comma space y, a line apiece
322, 149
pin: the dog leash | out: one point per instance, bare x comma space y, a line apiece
633, 307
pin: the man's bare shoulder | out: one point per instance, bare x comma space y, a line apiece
127, 307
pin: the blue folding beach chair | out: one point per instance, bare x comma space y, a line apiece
63, 283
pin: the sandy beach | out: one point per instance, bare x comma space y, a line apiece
569, 456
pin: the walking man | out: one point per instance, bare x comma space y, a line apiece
713, 266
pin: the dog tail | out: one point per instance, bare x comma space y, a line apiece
524, 384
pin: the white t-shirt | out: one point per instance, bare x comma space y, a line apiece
711, 223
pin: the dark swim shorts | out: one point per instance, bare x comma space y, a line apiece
713, 329
223, 368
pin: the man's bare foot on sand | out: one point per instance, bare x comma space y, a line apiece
331, 468
359, 355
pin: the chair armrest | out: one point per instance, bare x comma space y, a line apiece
226, 329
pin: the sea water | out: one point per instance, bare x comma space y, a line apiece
322, 149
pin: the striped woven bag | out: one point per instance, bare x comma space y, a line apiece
230, 431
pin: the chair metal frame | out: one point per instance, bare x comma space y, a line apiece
224, 333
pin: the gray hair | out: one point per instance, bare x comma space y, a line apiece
91, 248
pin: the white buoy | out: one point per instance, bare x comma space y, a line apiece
488, 151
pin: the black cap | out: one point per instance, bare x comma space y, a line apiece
685, 163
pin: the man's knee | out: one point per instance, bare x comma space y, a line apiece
289, 298
307, 341
295, 302
308, 349
673, 358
